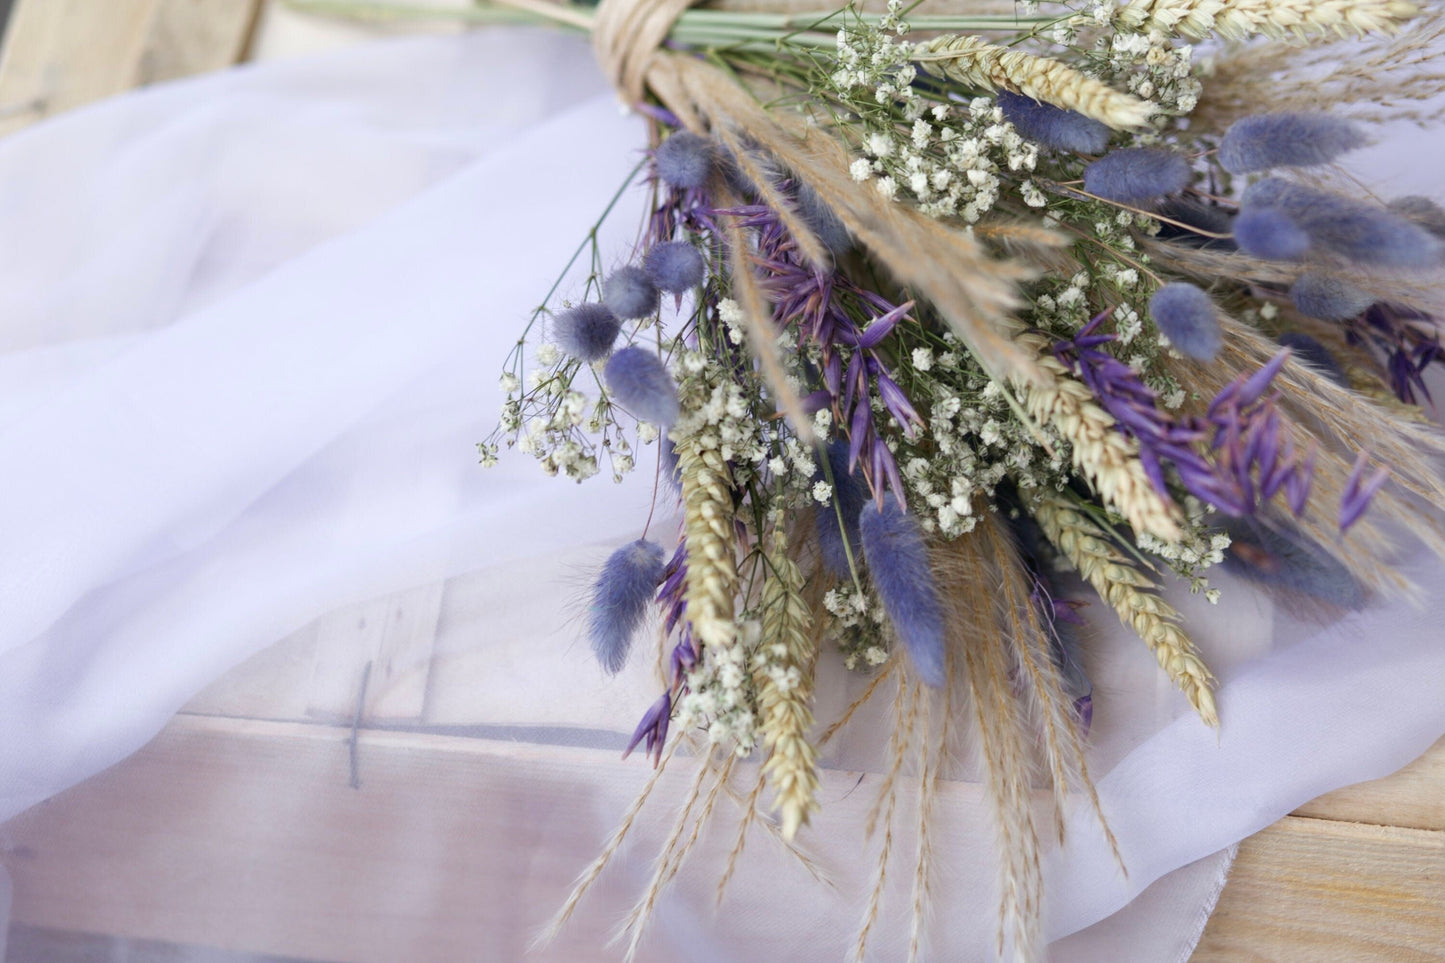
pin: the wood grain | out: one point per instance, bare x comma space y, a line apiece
1321, 890
1413, 798
61, 54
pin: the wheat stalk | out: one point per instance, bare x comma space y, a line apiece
1131, 594
1278, 19
711, 581
1100, 452
785, 689
974, 62
886, 803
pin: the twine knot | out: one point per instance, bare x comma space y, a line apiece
626, 35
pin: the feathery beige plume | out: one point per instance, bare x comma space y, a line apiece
785, 689
1279, 19
974, 62
1131, 594
1101, 453
968, 584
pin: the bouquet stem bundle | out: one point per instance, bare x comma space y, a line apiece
940, 319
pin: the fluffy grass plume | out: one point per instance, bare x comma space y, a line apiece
628, 293
898, 565
837, 521
620, 598
1187, 317
586, 332
1356, 231
1264, 141
685, 160
639, 382
1131, 594
1328, 298
674, 266
1270, 234
1135, 175
1053, 126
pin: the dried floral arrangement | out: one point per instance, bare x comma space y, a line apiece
930, 306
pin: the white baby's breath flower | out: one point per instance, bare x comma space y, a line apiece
547, 354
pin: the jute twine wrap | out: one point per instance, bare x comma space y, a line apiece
626, 35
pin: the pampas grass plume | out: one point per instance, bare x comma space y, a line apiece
1053, 126
685, 160
1264, 141
1328, 298
586, 332
1137, 174
1186, 316
898, 565
620, 597
628, 293
674, 266
640, 383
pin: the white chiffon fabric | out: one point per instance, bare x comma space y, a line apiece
251, 328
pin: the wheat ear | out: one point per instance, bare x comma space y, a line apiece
785, 690
1279, 19
1100, 452
712, 574
974, 62
1131, 594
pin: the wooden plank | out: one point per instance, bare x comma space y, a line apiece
60, 54
383, 646
1414, 797
1319, 890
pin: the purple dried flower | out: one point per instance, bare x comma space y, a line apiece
1137, 174
685, 160
1186, 316
1358, 492
674, 266
640, 383
628, 293
848, 498
586, 332
1314, 354
652, 729
1422, 211
1351, 229
1286, 140
898, 564
1053, 126
1270, 234
620, 596
1291, 560
1409, 340
1328, 298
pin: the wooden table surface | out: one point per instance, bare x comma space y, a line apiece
1356, 875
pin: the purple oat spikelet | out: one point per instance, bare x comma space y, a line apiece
640, 383
685, 161
1354, 230
1264, 141
898, 565
1053, 126
674, 266
586, 332
629, 293
620, 599
1328, 298
1137, 174
1186, 316
1271, 234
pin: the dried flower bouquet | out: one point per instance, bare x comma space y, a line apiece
929, 307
